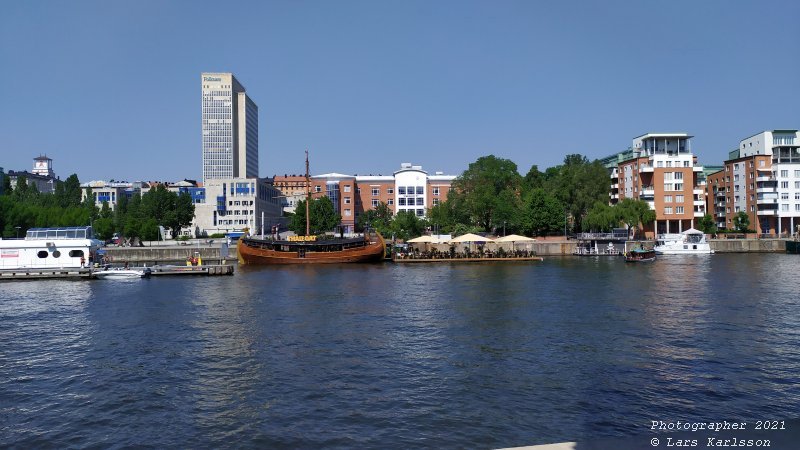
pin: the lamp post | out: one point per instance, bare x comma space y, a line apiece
565, 224
17, 231
504, 228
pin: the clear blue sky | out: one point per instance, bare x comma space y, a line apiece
110, 89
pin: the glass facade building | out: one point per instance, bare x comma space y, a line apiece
229, 127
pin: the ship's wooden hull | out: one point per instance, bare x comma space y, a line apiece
254, 251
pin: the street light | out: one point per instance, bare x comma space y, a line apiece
565, 224
17, 231
504, 228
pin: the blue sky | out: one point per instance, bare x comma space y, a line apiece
111, 89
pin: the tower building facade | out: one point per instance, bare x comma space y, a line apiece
230, 128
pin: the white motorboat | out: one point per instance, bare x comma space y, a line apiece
118, 273
690, 242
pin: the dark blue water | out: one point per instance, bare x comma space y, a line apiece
400, 356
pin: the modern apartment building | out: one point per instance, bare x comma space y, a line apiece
408, 189
230, 129
660, 169
761, 178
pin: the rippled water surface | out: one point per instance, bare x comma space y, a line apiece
399, 356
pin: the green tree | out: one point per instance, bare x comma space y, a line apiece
478, 190
323, 217
602, 217
70, 192
379, 218
706, 224
168, 209
542, 213
635, 213
579, 184
407, 225
741, 222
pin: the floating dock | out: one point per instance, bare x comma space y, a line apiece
465, 260
208, 270
32, 274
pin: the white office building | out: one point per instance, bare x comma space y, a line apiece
230, 129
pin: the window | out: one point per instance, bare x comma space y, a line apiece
401, 190
668, 210
390, 190
797, 195
761, 163
797, 173
660, 164
347, 200
347, 188
436, 202
420, 201
420, 212
410, 190
736, 177
784, 207
420, 190
784, 174
797, 184
401, 201
317, 189
679, 198
679, 175
668, 176
797, 206
678, 186
347, 213
679, 210
375, 202
736, 198
669, 163
784, 196
736, 166
667, 199
436, 190
76, 253
376, 192
785, 184
42, 254
390, 202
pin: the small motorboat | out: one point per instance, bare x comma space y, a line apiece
120, 273
640, 255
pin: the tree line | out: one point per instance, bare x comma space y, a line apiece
492, 196
140, 216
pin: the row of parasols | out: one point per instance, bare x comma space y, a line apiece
471, 238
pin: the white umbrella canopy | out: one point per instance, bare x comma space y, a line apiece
515, 238
469, 237
424, 239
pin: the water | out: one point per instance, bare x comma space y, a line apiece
400, 356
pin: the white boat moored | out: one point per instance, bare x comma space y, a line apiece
690, 242
119, 273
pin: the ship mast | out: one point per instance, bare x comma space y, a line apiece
308, 198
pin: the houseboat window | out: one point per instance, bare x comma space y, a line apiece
76, 253
56, 254
42, 254
72, 234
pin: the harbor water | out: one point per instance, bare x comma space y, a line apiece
400, 356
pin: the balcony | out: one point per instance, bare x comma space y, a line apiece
767, 201
767, 190
765, 178
720, 215
648, 191
768, 212
646, 168
699, 203
698, 191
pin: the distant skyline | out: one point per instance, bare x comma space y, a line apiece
110, 90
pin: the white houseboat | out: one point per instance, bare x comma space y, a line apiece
689, 242
50, 248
